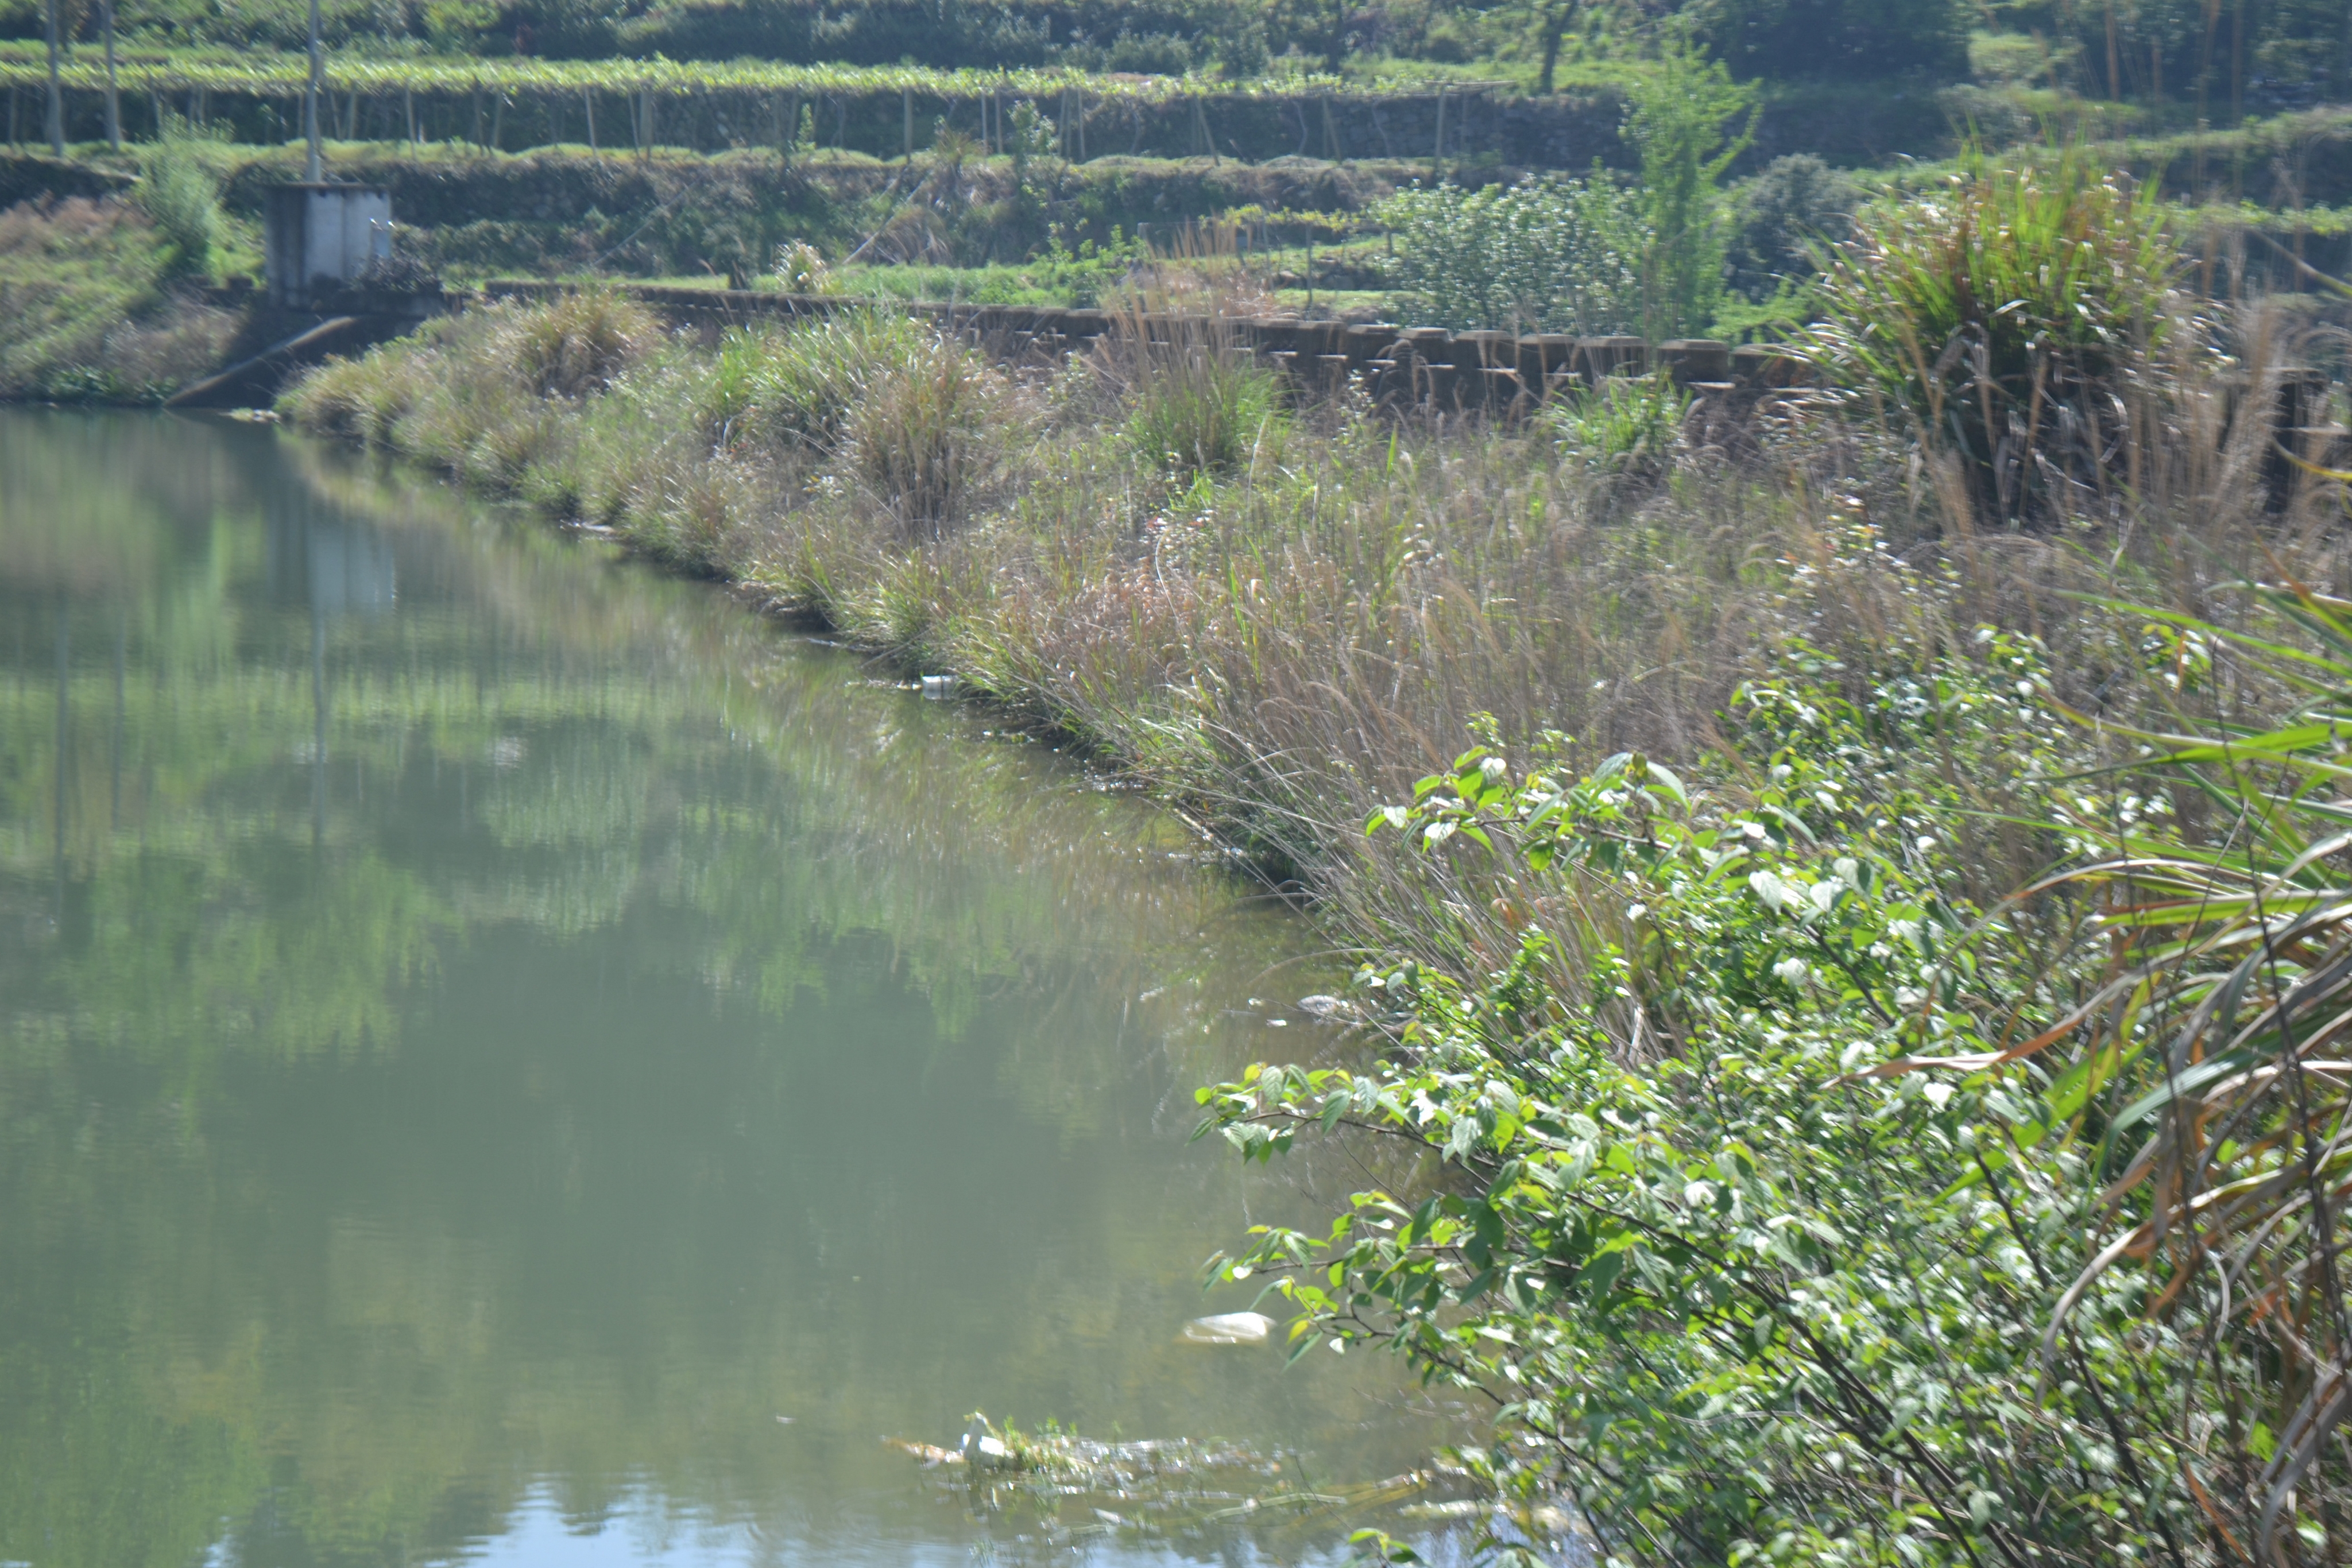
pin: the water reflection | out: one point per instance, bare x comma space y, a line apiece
484, 1034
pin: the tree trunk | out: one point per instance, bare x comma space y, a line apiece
314, 164
114, 98
56, 119
1556, 20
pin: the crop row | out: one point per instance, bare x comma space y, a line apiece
283, 74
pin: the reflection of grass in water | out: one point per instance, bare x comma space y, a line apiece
766, 815
972, 857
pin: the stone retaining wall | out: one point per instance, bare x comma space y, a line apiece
1405, 366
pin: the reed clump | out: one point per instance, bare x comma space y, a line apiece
1193, 397
2004, 314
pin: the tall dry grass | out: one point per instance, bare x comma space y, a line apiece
1284, 615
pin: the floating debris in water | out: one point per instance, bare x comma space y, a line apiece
1057, 1490
1325, 1006
1228, 1328
929, 1453
984, 1450
939, 687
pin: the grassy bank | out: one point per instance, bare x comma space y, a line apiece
101, 289
93, 307
1805, 1175
1147, 551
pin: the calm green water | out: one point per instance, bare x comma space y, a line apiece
487, 1029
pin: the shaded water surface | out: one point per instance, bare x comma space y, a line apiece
505, 1057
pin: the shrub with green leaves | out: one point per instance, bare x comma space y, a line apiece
791, 388
1792, 207
1790, 1204
1681, 123
1551, 254
1195, 402
180, 192
927, 435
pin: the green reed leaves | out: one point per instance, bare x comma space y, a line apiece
1999, 313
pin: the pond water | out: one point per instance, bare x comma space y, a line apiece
507, 1057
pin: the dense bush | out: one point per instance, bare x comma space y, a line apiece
1789, 210
179, 190
1555, 254
929, 435
1196, 402
1551, 254
1626, 427
1754, 1224
792, 392
1840, 38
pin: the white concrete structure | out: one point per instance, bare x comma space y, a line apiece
318, 237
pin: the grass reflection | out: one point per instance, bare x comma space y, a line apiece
477, 1023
